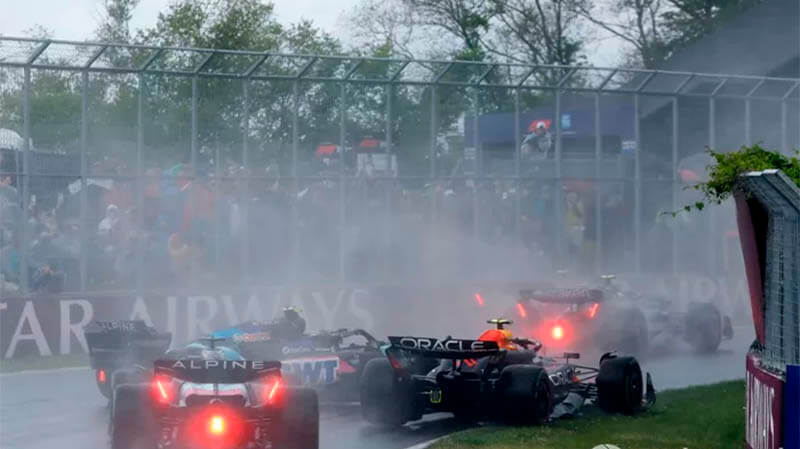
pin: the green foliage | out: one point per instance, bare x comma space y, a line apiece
708, 417
725, 174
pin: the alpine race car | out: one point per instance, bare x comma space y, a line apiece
605, 318
496, 377
214, 400
330, 361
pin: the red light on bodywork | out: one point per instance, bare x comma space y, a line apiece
101, 376
216, 425
521, 310
479, 299
162, 389
272, 395
593, 310
558, 332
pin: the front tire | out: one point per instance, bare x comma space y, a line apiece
383, 402
526, 393
619, 385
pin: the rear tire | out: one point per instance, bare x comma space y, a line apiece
526, 395
299, 424
620, 385
704, 327
132, 424
383, 402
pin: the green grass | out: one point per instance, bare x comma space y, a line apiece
43, 363
707, 417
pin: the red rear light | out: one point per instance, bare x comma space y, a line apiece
592, 310
273, 391
558, 332
216, 425
521, 310
479, 299
163, 389
101, 376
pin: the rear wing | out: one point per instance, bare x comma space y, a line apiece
124, 342
563, 295
445, 349
217, 371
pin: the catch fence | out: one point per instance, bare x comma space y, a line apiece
130, 167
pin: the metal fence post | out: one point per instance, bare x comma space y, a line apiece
478, 171
558, 188
747, 131
26, 174
140, 182
341, 197
295, 219
675, 181
784, 137
517, 169
244, 209
712, 143
598, 214
84, 200
391, 183
637, 189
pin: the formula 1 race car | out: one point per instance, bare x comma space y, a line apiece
496, 377
605, 318
116, 346
213, 401
330, 361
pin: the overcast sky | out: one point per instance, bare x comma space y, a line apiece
77, 19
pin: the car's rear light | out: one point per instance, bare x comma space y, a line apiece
163, 389
521, 310
273, 392
479, 299
101, 376
557, 332
216, 425
591, 311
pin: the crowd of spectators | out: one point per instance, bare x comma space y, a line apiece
191, 229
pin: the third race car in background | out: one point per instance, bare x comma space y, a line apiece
606, 318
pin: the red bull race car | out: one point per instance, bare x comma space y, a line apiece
496, 377
606, 318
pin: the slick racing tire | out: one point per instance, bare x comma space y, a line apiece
619, 385
704, 327
299, 424
526, 395
132, 423
383, 402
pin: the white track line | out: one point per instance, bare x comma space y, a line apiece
44, 371
427, 444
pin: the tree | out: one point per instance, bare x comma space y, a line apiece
688, 20
115, 25
639, 23
467, 20
539, 31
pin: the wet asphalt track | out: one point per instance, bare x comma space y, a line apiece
64, 410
